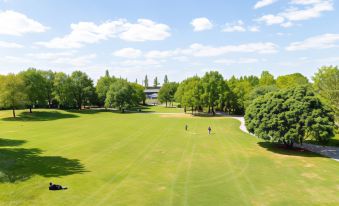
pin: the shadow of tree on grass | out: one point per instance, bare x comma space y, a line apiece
11, 142
20, 164
40, 116
281, 149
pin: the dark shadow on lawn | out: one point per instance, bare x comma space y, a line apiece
281, 149
10, 142
20, 164
96, 111
40, 116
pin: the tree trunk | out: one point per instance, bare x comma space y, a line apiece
213, 112
166, 103
185, 109
30, 109
192, 110
13, 109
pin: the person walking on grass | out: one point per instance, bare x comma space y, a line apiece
186, 127
209, 130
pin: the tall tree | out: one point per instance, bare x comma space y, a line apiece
213, 84
326, 84
167, 91
63, 90
291, 80
140, 96
12, 93
120, 95
35, 87
146, 81
155, 82
82, 88
49, 85
266, 79
102, 87
166, 79
289, 116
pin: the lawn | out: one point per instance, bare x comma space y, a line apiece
108, 158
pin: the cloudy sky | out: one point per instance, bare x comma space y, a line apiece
179, 38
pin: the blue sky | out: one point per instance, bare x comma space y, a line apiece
177, 38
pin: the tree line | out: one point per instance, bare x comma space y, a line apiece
37, 88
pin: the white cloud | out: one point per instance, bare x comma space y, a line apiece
271, 19
300, 10
138, 63
234, 27
128, 53
200, 50
201, 24
317, 42
239, 26
15, 23
88, 33
263, 3
237, 61
5, 44
145, 30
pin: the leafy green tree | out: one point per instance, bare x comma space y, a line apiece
291, 80
257, 92
12, 93
35, 87
290, 116
155, 82
120, 95
166, 79
266, 79
326, 84
213, 85
140, 96
62, 90
167, 92
102, 87
49, 85
82, 88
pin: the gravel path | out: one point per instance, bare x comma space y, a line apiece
328, 151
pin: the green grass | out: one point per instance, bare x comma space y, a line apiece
109, 158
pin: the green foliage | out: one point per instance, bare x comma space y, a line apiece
289, 116
326, 84
146, 81
167, 91
291, 81
63, 90
166, 79
35, 87
82, 89
266, 79
102, 87
48, 77
12, 92
121, 95
140, 95
257, 92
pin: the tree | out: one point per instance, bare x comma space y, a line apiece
120, 95
140, 96
146, 81
291, 80
266, 79
49, 85
155, 82
102, 87
82, 88
257, 92
35, 87
12, 93
289, 116
213, 85
62, 90
167, 92
326, 84
166, 79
